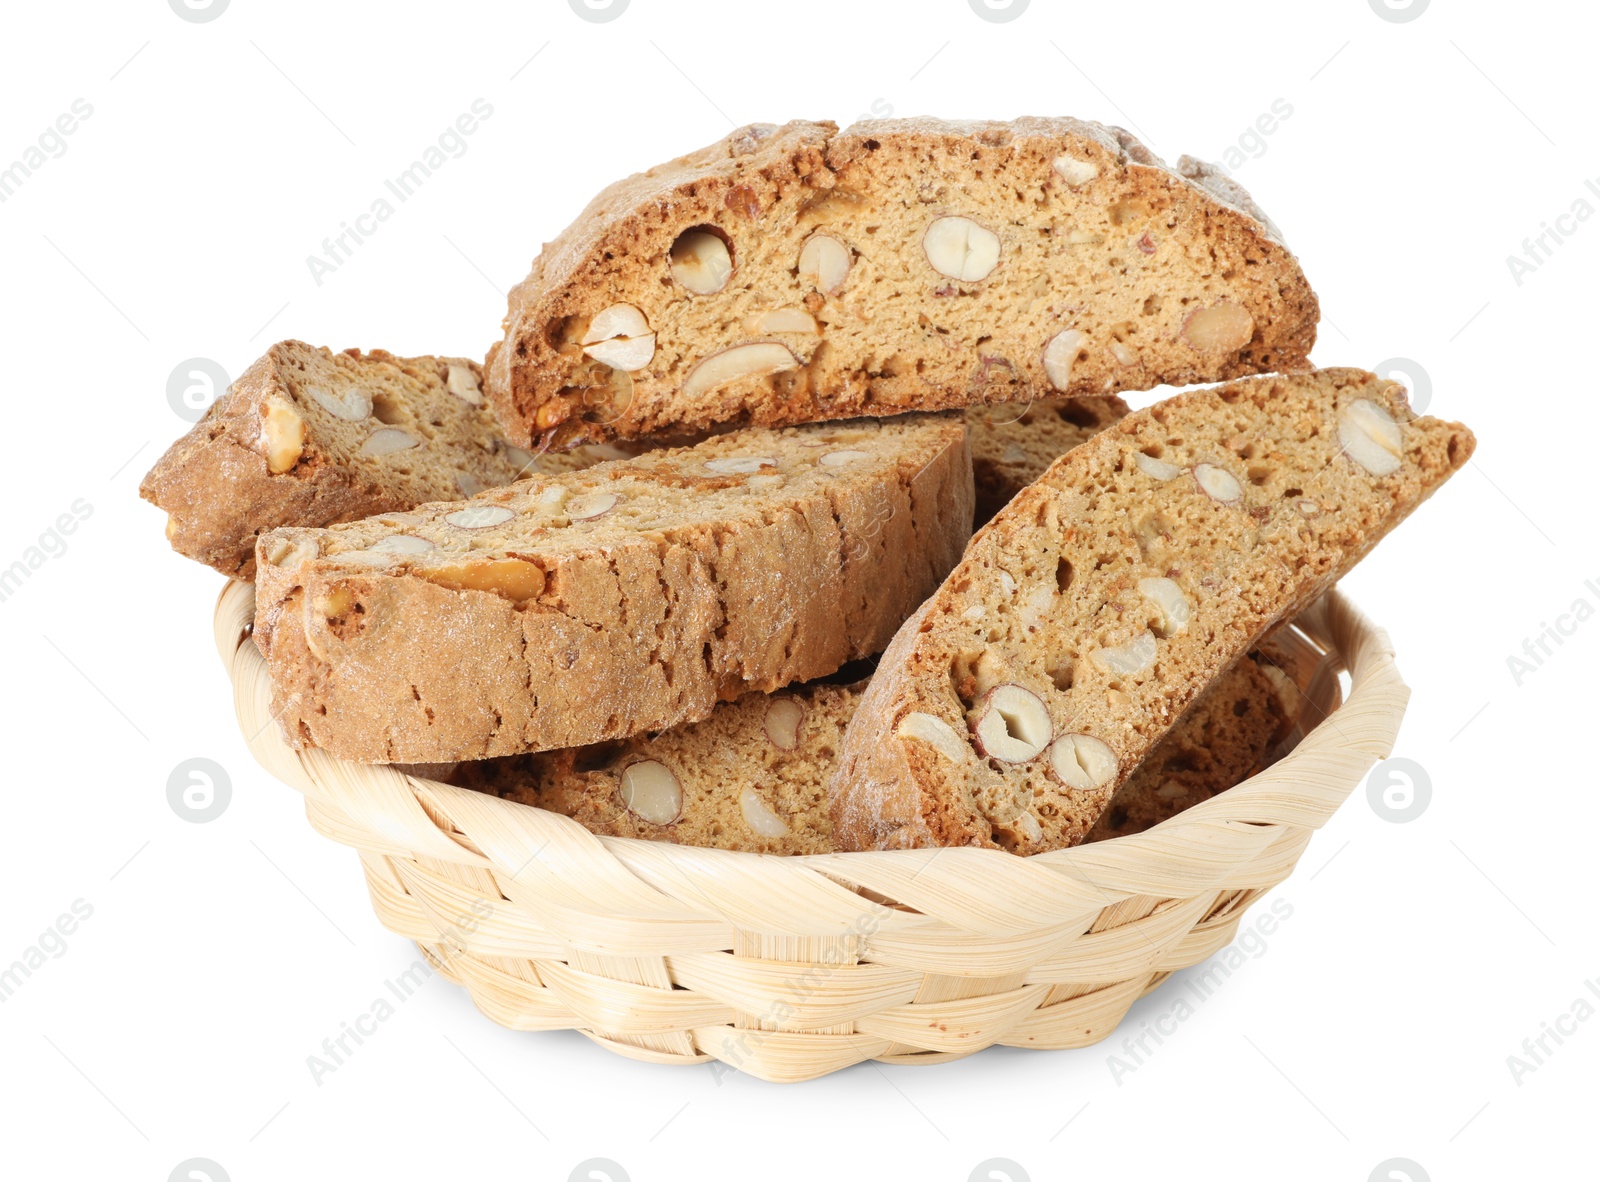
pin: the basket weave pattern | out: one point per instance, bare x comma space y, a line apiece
789, 968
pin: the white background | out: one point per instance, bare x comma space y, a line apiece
177, 1023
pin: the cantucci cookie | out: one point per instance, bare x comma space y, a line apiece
1227, 736
1088, 614
309, 437
630, 596
751, 777
1013, 443
797, 273
754, 775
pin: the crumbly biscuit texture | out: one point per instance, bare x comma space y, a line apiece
798, 273
1087, 616
309, 437
630, 596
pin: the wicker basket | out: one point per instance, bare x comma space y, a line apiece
789, 968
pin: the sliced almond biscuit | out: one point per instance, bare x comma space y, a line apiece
1087, 616
799, 273
630, 596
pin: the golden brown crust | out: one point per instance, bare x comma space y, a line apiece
1075, 592
1127, 256
220, 494
593, 605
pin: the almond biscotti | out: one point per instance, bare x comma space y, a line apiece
754, 775
1087, 616
309, 437
796, 273
1013, 443
630, 596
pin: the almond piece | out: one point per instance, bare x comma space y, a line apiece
592, 505
463, 383
387, 440
838, 459
701, 262
1369, 435
1176, 610
1222, 328
1059, 354
959, 248
1218, 483
650, 791
731, 365
1154, 468
620, 336
283, 435
776, 320
782, 722
511, 578
402, 544
739, 465
935, 732
289, 552
1013, 724
479, 516
352, 406
763, 821
824, 263
1130, 658
1074, 171
1082, 761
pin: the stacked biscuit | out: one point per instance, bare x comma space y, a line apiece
691, 556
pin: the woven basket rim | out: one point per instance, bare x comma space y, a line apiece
1358, 646
789, 968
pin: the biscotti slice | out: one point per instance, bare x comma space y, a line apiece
629, 596
1225, 737
309, 437
1012, 444
751, 777
1088, 614
794, 274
